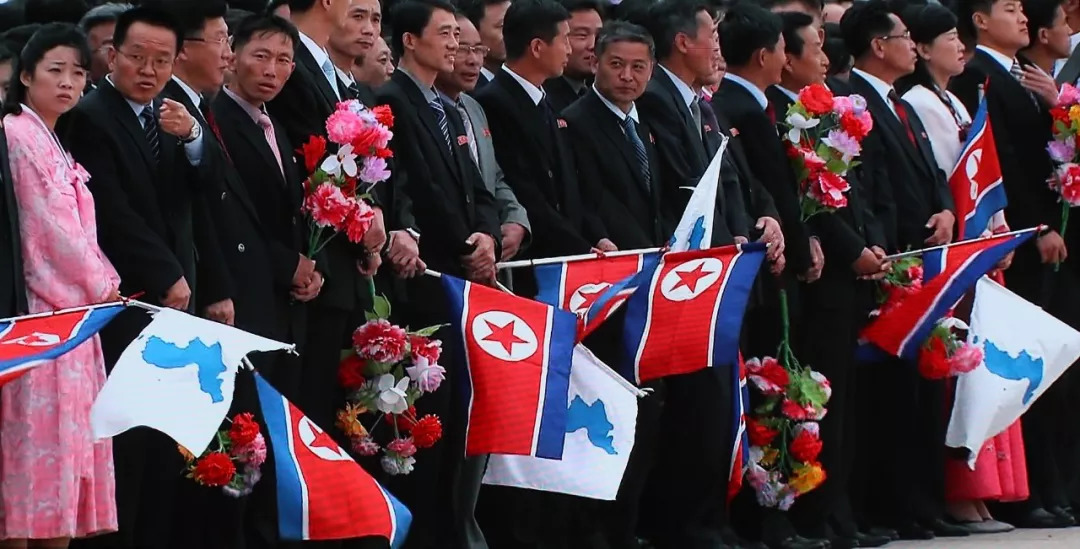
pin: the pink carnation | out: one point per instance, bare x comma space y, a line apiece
380, 341
842, 104
965, 359
365, 446
359, 221
343, 126
1066, 180
374, 170
426, 347
403, 447
1068, 95
254, 454
328, 206
830, 190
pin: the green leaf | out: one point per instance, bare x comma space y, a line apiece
346, 353
430, 330
836, 165
369, 316
381, 307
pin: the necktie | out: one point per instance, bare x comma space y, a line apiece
695, 112
150, 127
630, 128
440, 116
354, 91
1016, 70
769, 110
468, 131
331, 76
208, 116
708, 118
271, 138
902, 114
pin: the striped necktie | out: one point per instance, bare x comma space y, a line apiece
630, 128
440, 116
150, 127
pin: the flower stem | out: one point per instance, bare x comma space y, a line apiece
1064, 225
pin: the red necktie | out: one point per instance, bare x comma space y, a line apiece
769, 110
902, 114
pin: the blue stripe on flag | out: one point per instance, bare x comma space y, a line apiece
649, 264
402, 520
91, 324
549, 283
553, 418
290, 491
635, 324
733, 304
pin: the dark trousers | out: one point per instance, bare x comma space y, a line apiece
622, 515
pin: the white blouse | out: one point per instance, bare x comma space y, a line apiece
941, 126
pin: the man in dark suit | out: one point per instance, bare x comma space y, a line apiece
351, 40
309, 97
529, 143
455, 220
910, 198
1021, 129
585, 22
12, 282
806, 62
141, 152
488, 17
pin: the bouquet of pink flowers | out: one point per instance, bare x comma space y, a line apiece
823, 138
385, 373
339, 183
235, 462
1065, 179
946, 353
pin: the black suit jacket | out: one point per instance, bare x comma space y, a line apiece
903, 183
684, 156
12, 281
560, 93
143, 207
539, 166
612, 181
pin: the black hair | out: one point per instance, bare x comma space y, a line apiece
234, 16
614, 32
262, 25
583, 5
836, 50
746, 29
474, 10
412, 16
812, 5
191, 15
794, 21
14, 39
48, 37
11, 16
104, 13
925, 23
147, 16
863, 22
965, 11
529, 20
275, 4
300, 6
1040, 15
6, 54
667, 19
54, 11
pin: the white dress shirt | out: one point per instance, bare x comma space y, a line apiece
756, 92
535, 93
321, 58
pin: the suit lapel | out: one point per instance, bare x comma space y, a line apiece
233, 113
690, 128
884, 115
529, 110
427, 118
306, 62
609, 125
129, 121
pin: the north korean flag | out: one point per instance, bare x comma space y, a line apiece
689, 315
29, 341
322, 494
948, 273
593, 289
976, 181
518, 354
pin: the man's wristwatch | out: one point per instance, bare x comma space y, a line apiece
196, 131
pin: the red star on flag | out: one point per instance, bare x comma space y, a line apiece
503, 335
321, 440
690, 278
589, 298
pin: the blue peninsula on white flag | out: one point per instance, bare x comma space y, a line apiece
601, 422
177, 377
1025, 350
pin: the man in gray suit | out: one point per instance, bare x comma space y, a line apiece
516, 231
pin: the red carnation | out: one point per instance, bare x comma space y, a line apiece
243, 430
793, 410
427, 431
351, 372
830, 189
1061, 114
384, 115
359, 221
425, 347
214, 469
328, 206
853, 125
774, 372
934, 360
313, 152
816, 99
760, 434
805, 446
380, 341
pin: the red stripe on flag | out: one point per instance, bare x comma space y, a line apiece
37, 335
586, 281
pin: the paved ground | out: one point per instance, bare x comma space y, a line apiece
1018, 539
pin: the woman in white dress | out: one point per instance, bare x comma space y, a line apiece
1000, 471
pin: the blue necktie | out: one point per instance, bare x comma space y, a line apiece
331, 76
630, 128
150, 127
440, 116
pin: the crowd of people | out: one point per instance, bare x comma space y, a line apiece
152, 150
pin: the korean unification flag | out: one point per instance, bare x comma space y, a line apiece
1025, 350
694, 231
177, 377
602, 419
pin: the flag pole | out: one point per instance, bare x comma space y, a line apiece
572, 258
121, 301
902, 255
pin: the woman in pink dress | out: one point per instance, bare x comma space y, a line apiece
56, 483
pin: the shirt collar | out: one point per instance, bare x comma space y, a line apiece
429, 93
633, 114
791, 95
193, 95
251, 110
755, 91
137, 107
535, 93
1005, 61
685, 90
487, 74
345, 76
878, 84
317, 51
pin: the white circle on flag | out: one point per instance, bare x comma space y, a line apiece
36, 339
971, 169
504, 336
690, 279
586, 295
320, 443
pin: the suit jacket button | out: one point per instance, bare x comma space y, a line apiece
468, 199
294, 221
550, 175
240, 247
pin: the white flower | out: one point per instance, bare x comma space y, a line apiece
391, 396
799, 123
428, 376
344, 160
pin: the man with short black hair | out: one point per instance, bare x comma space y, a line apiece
352, 40
455, 221
488, 16
806, 61
98, 24
585, 22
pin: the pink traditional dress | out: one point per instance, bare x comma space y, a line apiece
55, 481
